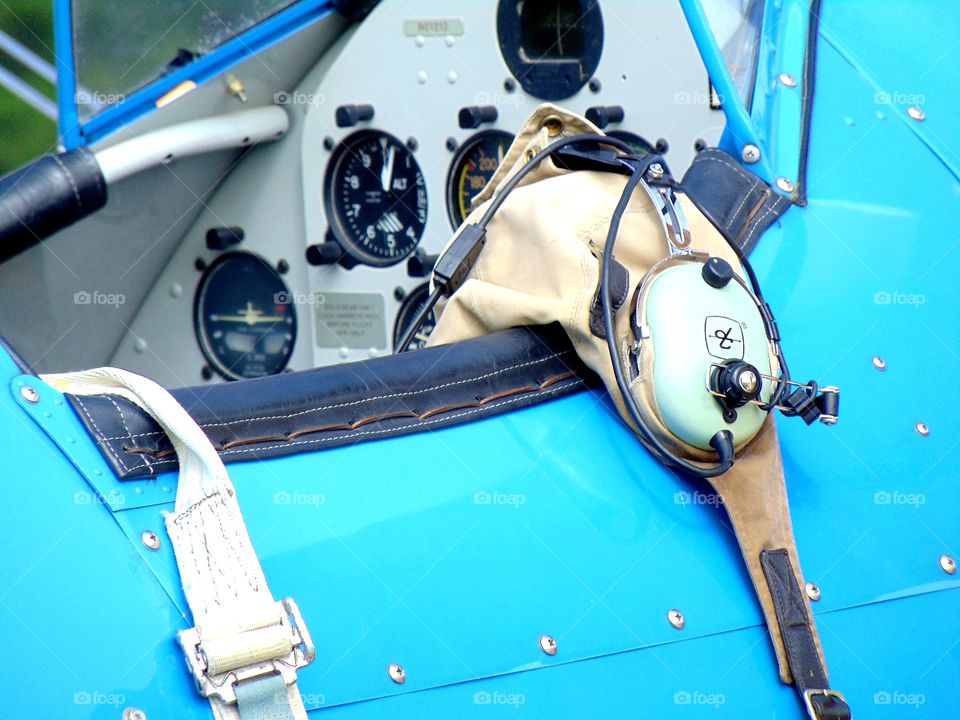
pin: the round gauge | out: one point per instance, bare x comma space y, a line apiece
376, 198
474, 164
640, 146
412, 305
243, 316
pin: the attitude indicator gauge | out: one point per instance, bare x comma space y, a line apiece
244, 320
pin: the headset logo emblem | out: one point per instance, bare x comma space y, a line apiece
724, 337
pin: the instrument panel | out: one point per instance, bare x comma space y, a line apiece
393, 134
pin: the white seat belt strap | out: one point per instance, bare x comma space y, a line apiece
245, 647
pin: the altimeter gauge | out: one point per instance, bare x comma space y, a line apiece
375, 198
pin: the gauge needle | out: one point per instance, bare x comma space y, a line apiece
386, 174
250, 316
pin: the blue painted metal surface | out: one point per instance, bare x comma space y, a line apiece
777, 108
434, 552
143, 101
67, 121
740, 130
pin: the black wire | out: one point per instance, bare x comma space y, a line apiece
540, 156
665, 455
418, 321
495, 206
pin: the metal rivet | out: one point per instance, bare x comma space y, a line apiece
548, 644
176, 290
397, 673
554, 125
420, 40
813, 591
450, 40
132, 713
421, 77
948, 564
655, 171
787, 79
452, 77
140, 345
879, 363
750, 153
29, 394
916, 113
676, 619
785, 185
922, 429
150, 539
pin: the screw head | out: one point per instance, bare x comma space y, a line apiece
785, 184
675, 617
922, 429
655, 171
948, 564
30, 394
748, 381
132, 713
150, 539
879, 363
787, 80
916, 113
548, 644
397, 673
750, 153
813, 591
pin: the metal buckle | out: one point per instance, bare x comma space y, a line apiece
808, 696
223, 685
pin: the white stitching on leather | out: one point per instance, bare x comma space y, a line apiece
758, 222
387, 433
104, 442
742, 202
738, 171
358, 402
144, 458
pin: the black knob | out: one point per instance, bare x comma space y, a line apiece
739, 382
325, 253
350, 115
603, 115
474, 116
421, 264
221, 238
717, 272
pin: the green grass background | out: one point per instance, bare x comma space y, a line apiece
24, 132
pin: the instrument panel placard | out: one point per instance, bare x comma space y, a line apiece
351, 320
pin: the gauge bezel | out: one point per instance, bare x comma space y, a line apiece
408, 310
461, 153
200, 330
338, 229
632, 138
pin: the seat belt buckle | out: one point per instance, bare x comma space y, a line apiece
808, 696
218, 665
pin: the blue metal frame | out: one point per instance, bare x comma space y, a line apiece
777, 111
143, 101
740, 128
774, 121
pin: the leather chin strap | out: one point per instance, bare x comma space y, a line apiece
245, 648
796, 631
755, 496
